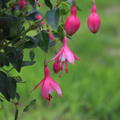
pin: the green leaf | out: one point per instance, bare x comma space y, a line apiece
52, 18
3, 85
3, 3
15, 57
43, 38
32, 2
32, 42
3, 60
18, 79
64, 8
10, 26
32, 55
32, 14
28, 63
7, 86
60, 32
11, 87
30, 105
48, 3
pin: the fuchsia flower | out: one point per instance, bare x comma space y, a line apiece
64, 56
50, 35
94, 21
72, 23
57, 67
22, 3
48, 86
39, 17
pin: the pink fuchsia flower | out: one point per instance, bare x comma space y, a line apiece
50, 35
65, 55
57, 67
72, 23
94, 21
22, 3
39, 17
48, 86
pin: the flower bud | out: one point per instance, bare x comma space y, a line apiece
94, 21
22, 3
72, 23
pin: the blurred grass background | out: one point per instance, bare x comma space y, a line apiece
91, 89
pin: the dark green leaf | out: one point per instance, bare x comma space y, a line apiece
32, 2
7, 86
51, 43
32, 42
32, 14
43, 38
48, 3
15, 57
31, 104
4, 85
52, 18
32, 55
18, 79
59, 33
3, 3
3, 60
10, 26
28, 63
11, 87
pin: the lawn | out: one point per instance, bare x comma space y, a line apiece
91, 88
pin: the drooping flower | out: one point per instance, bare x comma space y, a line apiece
72, 23
94, 21
64, 56
22, 3
39, 17
48, 86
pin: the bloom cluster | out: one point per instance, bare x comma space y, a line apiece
65, 56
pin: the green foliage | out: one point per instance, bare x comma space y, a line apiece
44, 39
93, 92
15, 56
48, 3
52, 18
7, 86
16, 23
31, 104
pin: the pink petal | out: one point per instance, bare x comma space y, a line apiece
69, 55
58, 54
56, 87
62, 57
76, 57
45, 88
